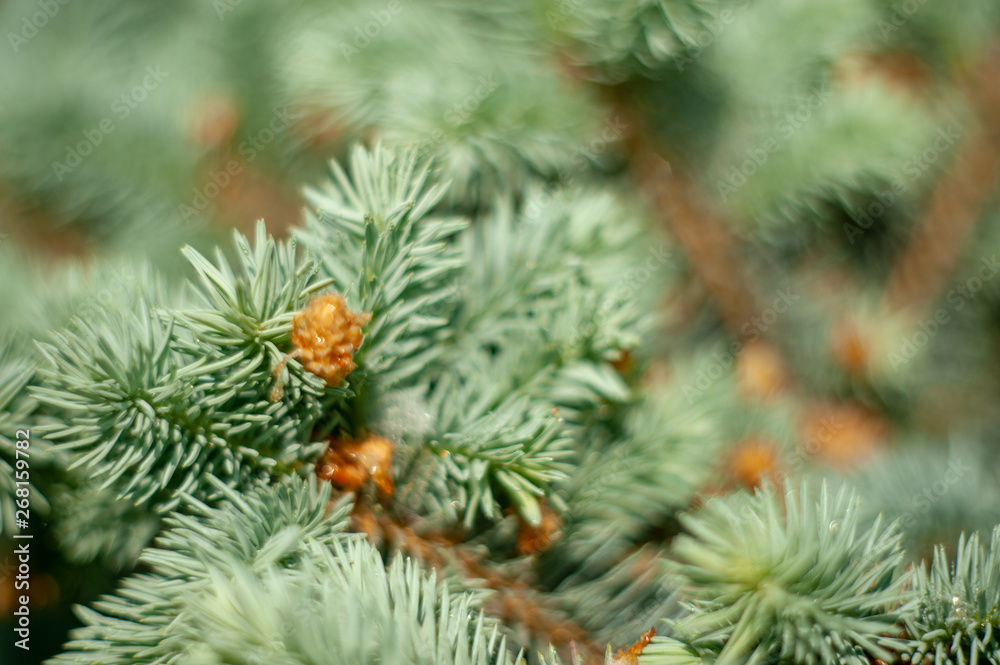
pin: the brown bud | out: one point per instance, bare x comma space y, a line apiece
534, 539
349, 464
760, 370
326, 334
754, 460
630, 655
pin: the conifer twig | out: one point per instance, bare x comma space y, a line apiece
712, 250
514, 603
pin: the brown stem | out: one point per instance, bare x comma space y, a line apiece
712, 250
924, 267
514, 602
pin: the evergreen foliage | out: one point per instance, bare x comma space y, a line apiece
616, 35
14, 412
958, 604
546, 427
793, 578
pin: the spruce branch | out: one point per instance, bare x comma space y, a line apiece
237, 336
514, 602
182, 417
664, 650
96, 525
285, 525
541, 308
855, 143
493, 444
564, 256
374, 236
269, 576
935, 494
621, 604
791, 577
621, 489
246, 313
620, 37
346, 607
113, 381
958, 608
155, 401
491, 112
